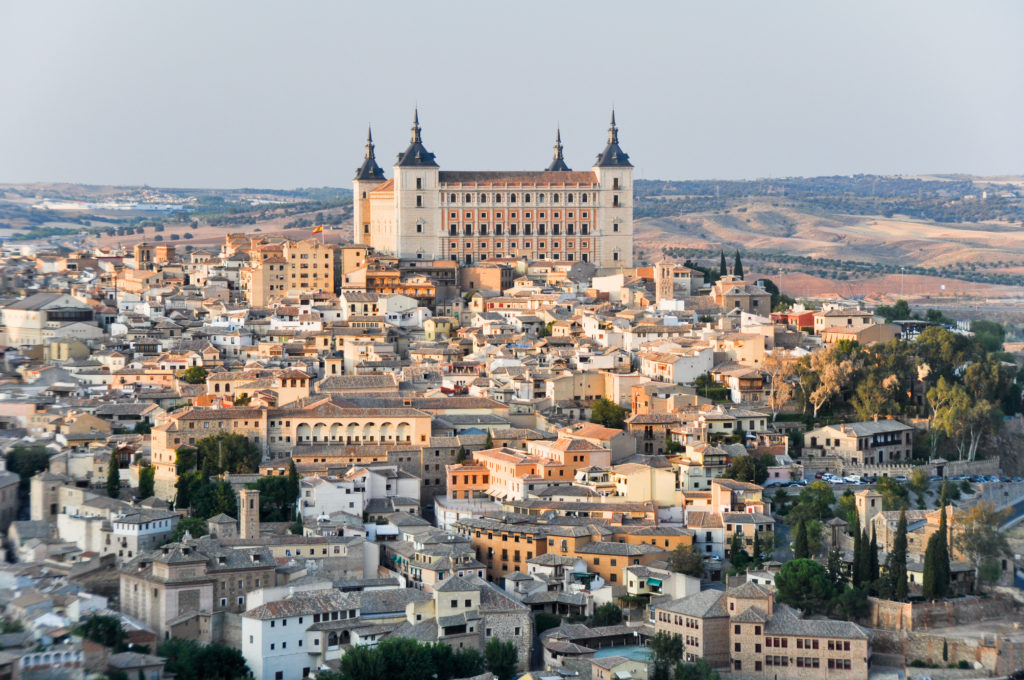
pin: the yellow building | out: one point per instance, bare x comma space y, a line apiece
302, 267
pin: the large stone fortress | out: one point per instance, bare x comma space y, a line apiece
426, 213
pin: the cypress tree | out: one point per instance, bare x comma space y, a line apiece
873, 557
737, 267
856, 575
757, 547
113, 477
935, 583
865, 559
801, 550
942, 558
898, 560
723, 269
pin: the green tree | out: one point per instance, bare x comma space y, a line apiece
723, 269
489, 442
543, 621
737, 266
190, 660
804, 584
894, 495
897, 312
800, 549
857, 566
814, 502
277, 498
26, 461
608, 614
209, 498
462, 456
666, 652
851, 604
873, 558
846, 507
750, 468
757, 550
919, 480
607, 413
195, 526
113, 477
979, 536
989, 334
687, 559
896, 562
227, 452
194, 375
501, 657
142, 427
935, 580
836, 571
294, 485
146, 481
105, 630
698, 670
738, 557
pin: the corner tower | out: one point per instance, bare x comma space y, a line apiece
368, 177
558, 162
249, 514
417, 200
614, 175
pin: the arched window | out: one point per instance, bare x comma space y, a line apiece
497, 198
452, 198
526, 198
554, 198
569, 197
483, 198
512, 198
540, 198
583, 198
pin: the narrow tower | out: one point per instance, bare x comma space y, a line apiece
368, 177
417, 230
615, 202
249, 514
558, 163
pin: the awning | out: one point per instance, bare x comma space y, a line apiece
654, 581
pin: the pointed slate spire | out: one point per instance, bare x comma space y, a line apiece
613, 155
416, 154
369, 170
416, 126
558, 163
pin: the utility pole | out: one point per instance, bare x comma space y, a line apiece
902, 269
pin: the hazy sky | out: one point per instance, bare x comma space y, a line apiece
227, 94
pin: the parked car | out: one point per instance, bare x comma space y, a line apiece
935, 478
853, 479
900, 478
817, 475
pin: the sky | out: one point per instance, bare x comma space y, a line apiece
279, 94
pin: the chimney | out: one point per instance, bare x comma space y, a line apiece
876, 417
